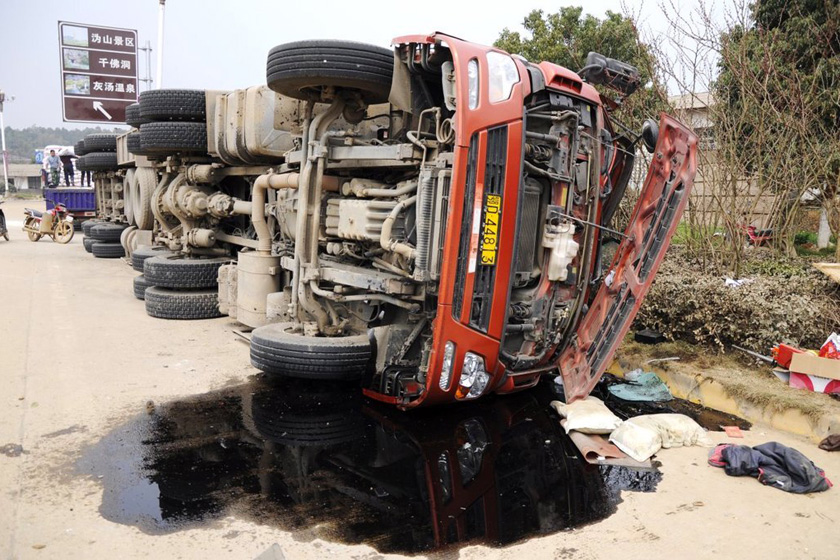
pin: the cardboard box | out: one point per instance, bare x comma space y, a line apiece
814, 365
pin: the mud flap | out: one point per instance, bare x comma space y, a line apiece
655, 218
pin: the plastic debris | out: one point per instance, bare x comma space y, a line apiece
641, 386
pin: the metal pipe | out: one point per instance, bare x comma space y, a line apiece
389, 267
385, 237
159, 69
357, 187
3, 137
237, 240
242, 207
258, 200
362, 297
304, 149
306, 240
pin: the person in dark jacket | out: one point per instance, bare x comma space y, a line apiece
67, 163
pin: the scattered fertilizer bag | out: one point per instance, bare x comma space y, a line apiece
587, 416
643, 436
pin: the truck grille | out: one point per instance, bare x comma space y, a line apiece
494, 183
466, 230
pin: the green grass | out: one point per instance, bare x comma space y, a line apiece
24, 195
686, 232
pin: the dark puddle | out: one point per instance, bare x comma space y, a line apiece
322, 462
711, 419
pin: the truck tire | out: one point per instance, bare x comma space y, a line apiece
175, 304
140, 285
173, 105
302, 69
132, 116
172, 137
107, 250
100, 143
100, 161
146, 181
88, 243
79, 148
132, 143
108, 233
276, 349
128, 195
181, 273
139, 256
88, 224
311, 418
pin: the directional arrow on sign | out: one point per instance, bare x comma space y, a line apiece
97, 106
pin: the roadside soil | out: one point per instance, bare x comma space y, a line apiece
79, 356
742, 376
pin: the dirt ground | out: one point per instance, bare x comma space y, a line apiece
79, 356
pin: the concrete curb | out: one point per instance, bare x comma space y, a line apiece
712, 394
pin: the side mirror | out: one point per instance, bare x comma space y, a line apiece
611, 73
650, 134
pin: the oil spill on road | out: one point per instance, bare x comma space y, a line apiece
710, 419
321, 462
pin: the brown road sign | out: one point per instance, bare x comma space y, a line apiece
98, 72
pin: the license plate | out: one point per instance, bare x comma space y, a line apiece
490, 229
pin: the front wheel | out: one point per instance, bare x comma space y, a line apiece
279, 350
63, 232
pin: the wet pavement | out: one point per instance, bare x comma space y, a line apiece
322, 462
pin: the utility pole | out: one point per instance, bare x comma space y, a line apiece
161, 9
3, 137
147, 49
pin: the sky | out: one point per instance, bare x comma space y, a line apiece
214, 44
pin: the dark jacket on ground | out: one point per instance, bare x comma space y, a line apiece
775, 465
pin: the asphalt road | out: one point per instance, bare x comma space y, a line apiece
79, 359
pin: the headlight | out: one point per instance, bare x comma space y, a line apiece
474, 378
472, 82
503, 76
446, 367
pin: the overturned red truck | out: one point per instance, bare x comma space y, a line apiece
442, 223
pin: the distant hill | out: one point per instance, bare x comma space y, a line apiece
21, 144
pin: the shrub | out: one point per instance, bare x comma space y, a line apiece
786, 301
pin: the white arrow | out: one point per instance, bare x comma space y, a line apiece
97, 106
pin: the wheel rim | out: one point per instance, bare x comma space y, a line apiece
33, 236
63, 232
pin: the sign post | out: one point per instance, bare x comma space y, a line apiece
98, 72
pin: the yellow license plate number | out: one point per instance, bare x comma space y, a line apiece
490, 229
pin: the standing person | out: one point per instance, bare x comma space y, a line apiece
66, 157
53, 165
85, 173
